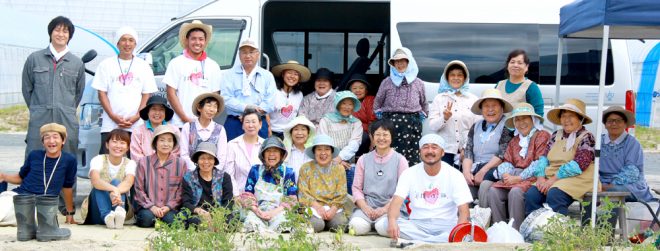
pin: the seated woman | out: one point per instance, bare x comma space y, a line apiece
621, 157
157, 112
376, 176
345, 131
206, 107
322, 185
298, 134
112, 176
159, 180
359, 86
205, 187
506, 197
243, 151
567, 172
270, 189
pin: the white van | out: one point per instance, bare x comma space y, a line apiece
320, 33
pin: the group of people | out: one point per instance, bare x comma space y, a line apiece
358, 160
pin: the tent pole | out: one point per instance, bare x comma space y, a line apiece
599, 125
560, 55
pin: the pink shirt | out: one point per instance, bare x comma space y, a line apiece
204, 133
239, 162
358, 179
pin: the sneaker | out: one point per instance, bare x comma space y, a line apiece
120, 217
110, 220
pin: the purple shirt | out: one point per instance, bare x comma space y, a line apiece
408, 98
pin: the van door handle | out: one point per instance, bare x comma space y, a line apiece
267, 61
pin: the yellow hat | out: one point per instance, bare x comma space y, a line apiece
572, 104
208, 29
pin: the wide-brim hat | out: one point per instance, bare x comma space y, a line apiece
322, 140
630, 116
208, 29
53, 127
272, 142
157, 100
163, 129
398, 54
491, 94
521, 109
347, 95
300, 120
216, 96
305, 74
324, 73
459, 63
360, 78
205, 147
572, 104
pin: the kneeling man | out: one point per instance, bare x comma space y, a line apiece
438, 194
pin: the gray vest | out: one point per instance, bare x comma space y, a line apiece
484, 152
380, 179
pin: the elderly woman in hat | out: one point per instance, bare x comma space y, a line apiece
621, 156
506, 197
298, 135
567, 171
206, 107
322, 185
270, 188
289, 95
449, 114
316, 104
157, 112
486, 143
205, 187
242, 151
359, 86
376, 176
112, 176
159, 180
345, 130
517, 88
402, 100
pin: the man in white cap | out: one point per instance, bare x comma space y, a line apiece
245, 86
124, 83
439, 197
192, 73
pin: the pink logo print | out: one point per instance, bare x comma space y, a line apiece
287, 111
195, 77
431, 196
126, 79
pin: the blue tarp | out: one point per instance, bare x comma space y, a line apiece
629, 19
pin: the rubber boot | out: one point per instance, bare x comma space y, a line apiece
25, 222
48, 228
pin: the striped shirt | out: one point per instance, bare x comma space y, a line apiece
159, 185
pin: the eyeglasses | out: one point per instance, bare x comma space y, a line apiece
614, 121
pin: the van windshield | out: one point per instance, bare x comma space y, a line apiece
484, 48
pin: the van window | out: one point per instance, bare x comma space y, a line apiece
484, 48
221, 48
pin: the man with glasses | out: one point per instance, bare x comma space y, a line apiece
247, 86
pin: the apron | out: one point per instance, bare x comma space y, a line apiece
518, 96
268, 195
575, 186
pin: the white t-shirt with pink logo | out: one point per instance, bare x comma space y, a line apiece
286, 108
190, 78
434, 197
124, 81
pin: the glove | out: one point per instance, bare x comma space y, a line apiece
379, 115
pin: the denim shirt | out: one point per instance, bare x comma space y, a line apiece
262, 93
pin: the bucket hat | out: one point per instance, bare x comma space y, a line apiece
157, 100
300, 120
205, 147
521, 109
322, 140
163, 129
221, 103
490, 94
360, 78
305, 74
208, 29
572, 104
324, 73
630, 117
53, 127
459, 63
398, 54
347, 95
272, 142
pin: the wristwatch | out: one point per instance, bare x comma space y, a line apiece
70, 213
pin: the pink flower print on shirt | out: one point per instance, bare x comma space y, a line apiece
126, 79
431, 196
287, 111
195, 77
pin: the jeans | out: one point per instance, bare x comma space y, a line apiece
100, 204
3, 186
145, 218
557, 199
350, 174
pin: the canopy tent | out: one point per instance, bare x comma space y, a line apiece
606, 19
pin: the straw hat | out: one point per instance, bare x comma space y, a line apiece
521, 109
205, 147
163, 129
322, 140
491, 94
398, 54
221, 103
629, 116
572, 104
208, 29
305, 74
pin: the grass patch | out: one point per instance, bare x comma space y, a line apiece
14, 119
648, 137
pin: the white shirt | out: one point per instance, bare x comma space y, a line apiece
189, 79
239, 162
454, 130
96, 164
124, 86
434, 197
295, 159
286, 109
204, 133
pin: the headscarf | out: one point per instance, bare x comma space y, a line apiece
444, 84
411, 72
335, 116
524, 140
